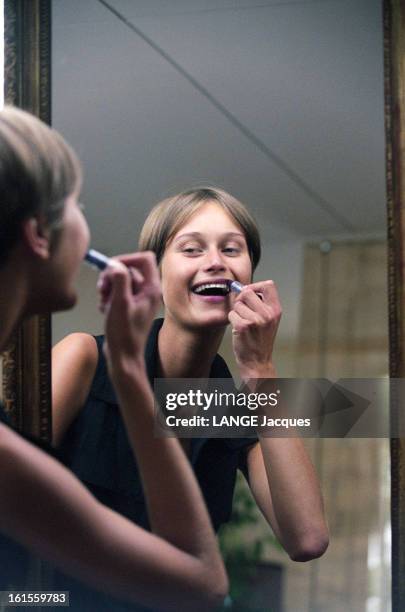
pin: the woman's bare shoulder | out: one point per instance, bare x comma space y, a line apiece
80, 345
6, 435
74, 364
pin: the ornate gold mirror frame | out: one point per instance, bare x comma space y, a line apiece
26, 364
394, 77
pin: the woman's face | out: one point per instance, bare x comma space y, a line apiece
209, 248
71, 246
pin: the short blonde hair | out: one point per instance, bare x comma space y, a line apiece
168, 216
38, 171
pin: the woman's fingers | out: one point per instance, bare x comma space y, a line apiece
144, 262
116, 288
128, 264
268, 308
137, 280
236, 321
135, 276
251, 300
267, 289
246, 312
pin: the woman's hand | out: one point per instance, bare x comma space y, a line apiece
254, 326
129, 298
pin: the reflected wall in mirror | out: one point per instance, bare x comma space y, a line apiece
281, 104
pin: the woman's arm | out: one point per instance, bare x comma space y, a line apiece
43, 506
175, 504
74, 362
281, 475
284, 484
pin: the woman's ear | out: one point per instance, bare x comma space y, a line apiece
36, 236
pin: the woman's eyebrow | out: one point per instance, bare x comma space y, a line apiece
191, 234
199, 235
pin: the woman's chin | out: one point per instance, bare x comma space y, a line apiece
65, 301
213, 319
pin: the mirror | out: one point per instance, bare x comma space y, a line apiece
282, 105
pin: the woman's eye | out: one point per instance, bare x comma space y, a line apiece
231, 250
191, 250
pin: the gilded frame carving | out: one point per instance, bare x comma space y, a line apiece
26, 365
394, 77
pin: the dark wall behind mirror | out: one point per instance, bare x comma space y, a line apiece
281, 103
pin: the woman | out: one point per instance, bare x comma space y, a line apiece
43, 506
199, 237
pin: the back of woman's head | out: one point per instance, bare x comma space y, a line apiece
168, 216
38, 171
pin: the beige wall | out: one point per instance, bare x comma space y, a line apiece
351, 326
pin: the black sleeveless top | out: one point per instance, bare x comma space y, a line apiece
97, 449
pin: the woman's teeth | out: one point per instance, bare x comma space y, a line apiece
212, 289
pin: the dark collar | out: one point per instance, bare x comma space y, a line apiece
151, 350
103, 388
219, 369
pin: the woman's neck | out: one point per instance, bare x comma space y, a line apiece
12, 303
186, 353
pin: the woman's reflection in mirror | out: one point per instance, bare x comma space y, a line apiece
202, 238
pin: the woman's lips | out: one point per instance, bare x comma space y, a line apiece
214, 299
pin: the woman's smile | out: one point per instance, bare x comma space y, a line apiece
214, 290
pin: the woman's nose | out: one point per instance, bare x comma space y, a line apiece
214, 261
